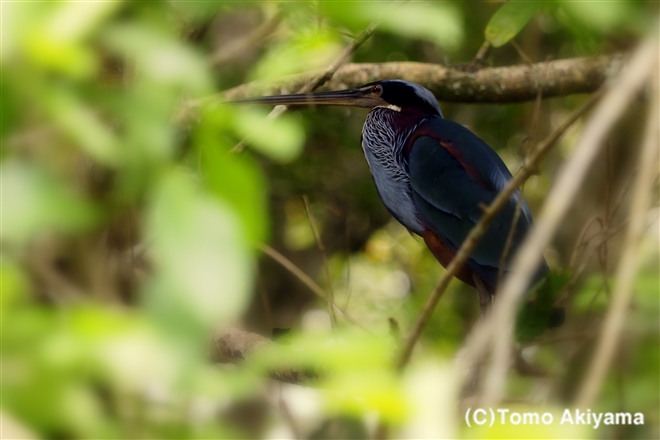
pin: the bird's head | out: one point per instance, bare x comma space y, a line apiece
398, 95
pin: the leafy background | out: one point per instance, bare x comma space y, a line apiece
128, 232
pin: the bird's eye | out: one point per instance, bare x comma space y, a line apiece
377, 90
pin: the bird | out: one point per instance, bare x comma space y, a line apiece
434, 176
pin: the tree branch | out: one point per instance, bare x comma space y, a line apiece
516, 83
628, 265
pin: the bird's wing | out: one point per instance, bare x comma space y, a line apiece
453, 173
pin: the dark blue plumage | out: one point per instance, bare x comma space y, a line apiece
453, 174
433, 175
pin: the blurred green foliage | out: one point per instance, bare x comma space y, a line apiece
508, 21
129, 229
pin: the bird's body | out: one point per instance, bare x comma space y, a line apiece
434, 176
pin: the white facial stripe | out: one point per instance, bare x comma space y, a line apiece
396, 108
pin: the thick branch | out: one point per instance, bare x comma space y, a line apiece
459, 84
231, 345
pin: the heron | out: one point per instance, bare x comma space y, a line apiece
434, 176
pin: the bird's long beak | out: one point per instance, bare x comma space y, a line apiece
360, 97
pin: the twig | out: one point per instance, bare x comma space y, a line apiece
318, 80
509, 239
605, 237
582, 242
641, 200
340, 60
475, 234
330, 293
307, 281
238, 46
483, 52
498, 326
521, 52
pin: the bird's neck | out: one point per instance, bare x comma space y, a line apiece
386, 132
384, 137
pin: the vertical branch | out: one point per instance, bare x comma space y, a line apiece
498, 328
330, 295
623, 289
265, 302
603, 249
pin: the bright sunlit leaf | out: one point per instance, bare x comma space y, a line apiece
160, 56
233, 178
508, 424
299, 53
508, 21
56, 40
360, 392
14, 284
71, 21
431, 389
13, 20
280, 139
439, 23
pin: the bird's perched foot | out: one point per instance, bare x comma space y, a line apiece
485, 298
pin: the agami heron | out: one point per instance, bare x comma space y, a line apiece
433, 175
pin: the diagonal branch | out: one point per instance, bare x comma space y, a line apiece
498, 327
641, 200
308, 281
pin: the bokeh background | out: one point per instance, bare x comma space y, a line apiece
130, 231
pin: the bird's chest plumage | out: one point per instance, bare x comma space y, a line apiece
383, 144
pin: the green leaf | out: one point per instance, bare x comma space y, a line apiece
591, 296
233, 178
81, 122
204, 265
15, 286
237, 181
601, 16
9, 109
300, 53
160, 56
56, 39
34, 202
508, 21
280, 139
439, 23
